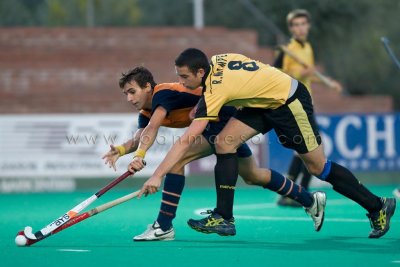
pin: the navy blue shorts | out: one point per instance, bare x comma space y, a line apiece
214, 128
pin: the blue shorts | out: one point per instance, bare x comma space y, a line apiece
214, 128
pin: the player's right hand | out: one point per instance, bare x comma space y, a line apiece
136, 165
151, 186
337, 86
308, 72
111, 157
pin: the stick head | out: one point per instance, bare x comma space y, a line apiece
22, 240
28, 233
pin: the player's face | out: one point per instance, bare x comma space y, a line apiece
300, 28
189, 79
139, 97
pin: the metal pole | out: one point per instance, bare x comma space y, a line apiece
89, 14
198, 7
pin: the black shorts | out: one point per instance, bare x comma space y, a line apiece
293, 122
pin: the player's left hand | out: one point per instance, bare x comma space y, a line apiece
151, 186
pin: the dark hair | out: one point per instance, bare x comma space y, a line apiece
297, 13
194, 59
140, 75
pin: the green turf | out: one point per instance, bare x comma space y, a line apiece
268, 236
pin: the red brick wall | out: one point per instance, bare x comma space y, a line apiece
73, 70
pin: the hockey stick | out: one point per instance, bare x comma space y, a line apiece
39, 235
85, 216
320, 76
390, 52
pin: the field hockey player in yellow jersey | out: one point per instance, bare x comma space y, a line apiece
299, 63
169, 105
270, 99
299, 24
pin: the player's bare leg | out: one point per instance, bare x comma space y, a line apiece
251, 173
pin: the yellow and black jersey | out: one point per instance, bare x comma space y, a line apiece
177, 100
236, 80
287, 64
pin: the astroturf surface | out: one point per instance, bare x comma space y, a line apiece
267, 235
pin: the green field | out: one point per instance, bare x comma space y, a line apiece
267, 235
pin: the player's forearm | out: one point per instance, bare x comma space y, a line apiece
180, 148
148, 137
131, 145
134, 142
173, 156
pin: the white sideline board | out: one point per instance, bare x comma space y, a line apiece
71, 145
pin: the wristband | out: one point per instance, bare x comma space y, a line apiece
140, 153
121, 150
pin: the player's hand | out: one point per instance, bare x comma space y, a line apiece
308, 72
337, 86
151, 186
111, 157
136, 165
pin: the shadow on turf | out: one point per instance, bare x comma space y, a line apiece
338, 243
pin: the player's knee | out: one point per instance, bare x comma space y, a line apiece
222, 147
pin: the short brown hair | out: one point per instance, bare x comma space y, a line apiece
297, 13
140, 75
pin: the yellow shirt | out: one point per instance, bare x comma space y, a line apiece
236, 80
290, 66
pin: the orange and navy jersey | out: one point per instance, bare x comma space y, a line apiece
236, 80
177, 100
287, 64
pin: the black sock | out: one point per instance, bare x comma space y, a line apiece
226, 174
345, 183
295, 168
305, 181
173, 187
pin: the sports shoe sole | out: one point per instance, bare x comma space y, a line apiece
152, 240
204, 231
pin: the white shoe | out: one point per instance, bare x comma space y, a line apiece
155, 233
396, 193
317, 209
